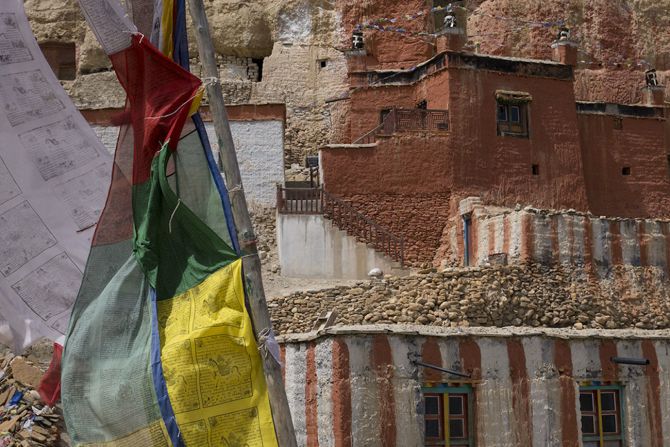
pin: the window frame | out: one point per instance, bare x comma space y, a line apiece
619, 412
463, 391
509, 128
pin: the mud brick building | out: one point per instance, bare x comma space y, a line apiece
416, 142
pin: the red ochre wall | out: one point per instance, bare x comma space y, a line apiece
472, 156
499, 168
470, 159
640, 145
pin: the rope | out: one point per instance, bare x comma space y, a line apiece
188, 101
172, 216
268, 344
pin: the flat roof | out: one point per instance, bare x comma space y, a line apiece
455, 59
631, 110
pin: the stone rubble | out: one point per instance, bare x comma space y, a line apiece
24, 419
498, 296
265, 223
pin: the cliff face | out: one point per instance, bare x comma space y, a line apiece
291, 51
618, 39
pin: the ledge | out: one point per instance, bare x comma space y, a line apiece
349, 146
504, 332
627, 110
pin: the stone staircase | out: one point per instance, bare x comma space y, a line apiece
351, 226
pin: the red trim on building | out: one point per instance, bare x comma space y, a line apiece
527, 238
520, 392
382, 364
616, 251
563, 361
341, 394
643, 239
606, 351
430, 353
665, 229
555, 247
588, 249
471, 359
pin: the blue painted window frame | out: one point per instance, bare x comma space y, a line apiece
620, 413
445, 390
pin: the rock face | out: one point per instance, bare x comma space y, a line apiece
300, 45
617, 39
529, 295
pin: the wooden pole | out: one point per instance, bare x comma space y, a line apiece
281, 412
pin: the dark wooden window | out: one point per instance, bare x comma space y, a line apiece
625, 170
62, 58
512, 119
383, 114
535, 169
448, 415
601, 416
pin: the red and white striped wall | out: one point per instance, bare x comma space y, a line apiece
359, 386
560, 237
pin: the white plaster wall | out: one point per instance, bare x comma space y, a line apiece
494, 398
365, 398
406, 392
295, 377
544, 392
663, 354
638, 429
323, 357
260, 154
310, 246
543, 249
108, 135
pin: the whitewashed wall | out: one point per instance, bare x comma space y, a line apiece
260, 153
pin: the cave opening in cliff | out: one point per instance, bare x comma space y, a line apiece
259, 63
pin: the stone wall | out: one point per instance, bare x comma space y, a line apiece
518, 295
360, 386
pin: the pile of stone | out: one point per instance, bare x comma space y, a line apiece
265, 222
497, 296
24, 419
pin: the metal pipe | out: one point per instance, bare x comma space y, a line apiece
444, 370
629, 361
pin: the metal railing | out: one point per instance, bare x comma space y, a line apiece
407, 120
343, 215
